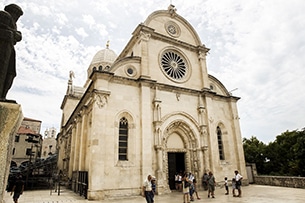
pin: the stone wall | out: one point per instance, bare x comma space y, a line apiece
10, 119
283, 181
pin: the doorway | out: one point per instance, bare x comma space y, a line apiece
176, 164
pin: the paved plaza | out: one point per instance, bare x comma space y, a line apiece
252, 193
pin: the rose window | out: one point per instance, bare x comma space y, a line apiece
174, 65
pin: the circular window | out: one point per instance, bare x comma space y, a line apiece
174, 65
172, 29
130, 71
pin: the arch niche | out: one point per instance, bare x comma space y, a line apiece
180, 150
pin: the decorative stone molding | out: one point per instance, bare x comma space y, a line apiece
201, 55
144, 36
101, 100
101, 97
172, 10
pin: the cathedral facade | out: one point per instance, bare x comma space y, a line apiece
152, 109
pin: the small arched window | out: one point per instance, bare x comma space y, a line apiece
123, 139
220, 144
100, 68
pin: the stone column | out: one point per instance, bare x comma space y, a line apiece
202, 61
72, 151
10, 119
144, 38
146, 131
203, 134
83, 142
77, 143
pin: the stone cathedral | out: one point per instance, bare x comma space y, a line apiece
152, 109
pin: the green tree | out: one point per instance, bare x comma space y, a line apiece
255, 153
284, 156
299, 149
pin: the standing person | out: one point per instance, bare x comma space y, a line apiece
233, 186
18, 188
205, 181
238, 179
211, 185
185, 188
226, 186
147, 190
180, 181
192, 189
153, 186
195, 188
176, 180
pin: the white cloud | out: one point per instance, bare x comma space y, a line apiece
61, 18
81, 32
89, 19
256, 46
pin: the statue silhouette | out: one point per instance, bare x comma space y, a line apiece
9, 36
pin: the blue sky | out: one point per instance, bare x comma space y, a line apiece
257, 46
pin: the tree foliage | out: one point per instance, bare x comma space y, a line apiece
285, 156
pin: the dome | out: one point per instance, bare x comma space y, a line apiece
104, 56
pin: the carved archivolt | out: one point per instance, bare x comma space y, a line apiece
190, 142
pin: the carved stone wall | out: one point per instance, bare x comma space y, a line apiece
11, 118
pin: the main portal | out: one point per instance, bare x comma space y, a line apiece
176, 164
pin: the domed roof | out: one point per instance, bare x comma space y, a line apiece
105, 55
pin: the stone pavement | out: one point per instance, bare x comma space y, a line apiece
251, 194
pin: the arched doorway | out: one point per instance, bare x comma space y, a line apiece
179, 150
176, 164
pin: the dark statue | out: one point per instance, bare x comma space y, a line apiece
9, 36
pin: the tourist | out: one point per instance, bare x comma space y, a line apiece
226, 186
185, 188
233, 187
176, 180
147, 190
153, 186
18, 187
238, 179
195, 188
180, 181
192, 189
211, 185
205, 181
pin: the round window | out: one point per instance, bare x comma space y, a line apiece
174, 65
130, 71
172, 29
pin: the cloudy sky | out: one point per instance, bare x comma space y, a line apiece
257, 46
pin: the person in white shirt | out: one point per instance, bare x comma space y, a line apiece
238, 179
147, 190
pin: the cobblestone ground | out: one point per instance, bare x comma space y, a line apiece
251, 194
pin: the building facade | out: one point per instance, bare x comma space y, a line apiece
49, 143
152, 109
28, 141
